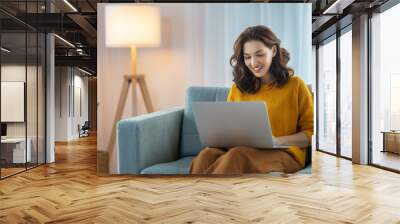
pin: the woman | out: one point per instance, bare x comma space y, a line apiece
261, 74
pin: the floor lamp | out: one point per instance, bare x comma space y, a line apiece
131, 25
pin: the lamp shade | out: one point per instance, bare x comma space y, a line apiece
128, 25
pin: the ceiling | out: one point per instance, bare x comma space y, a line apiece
76, 22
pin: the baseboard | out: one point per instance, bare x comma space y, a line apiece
102, 162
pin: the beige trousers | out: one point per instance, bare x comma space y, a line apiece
239, 160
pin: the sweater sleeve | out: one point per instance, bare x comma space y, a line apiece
306, 110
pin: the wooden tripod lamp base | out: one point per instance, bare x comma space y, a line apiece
130, 80
139, 79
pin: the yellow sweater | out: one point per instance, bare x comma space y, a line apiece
290, 110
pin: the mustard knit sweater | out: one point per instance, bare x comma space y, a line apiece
290, 110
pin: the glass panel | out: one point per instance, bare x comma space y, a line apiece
346, 94
327, 97
385, 85
23, 89
41, 98
31, 100
13, 87
32, 87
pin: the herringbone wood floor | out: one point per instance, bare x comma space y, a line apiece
69, 191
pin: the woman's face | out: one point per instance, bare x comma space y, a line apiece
258, 57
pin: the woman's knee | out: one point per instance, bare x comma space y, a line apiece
235, 152
204, 159
209, 152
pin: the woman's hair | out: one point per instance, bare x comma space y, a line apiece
242, 76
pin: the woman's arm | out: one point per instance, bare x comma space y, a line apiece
299, 139
305, 123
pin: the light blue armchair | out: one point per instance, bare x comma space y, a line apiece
165, 142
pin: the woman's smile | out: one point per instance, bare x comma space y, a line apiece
258, 69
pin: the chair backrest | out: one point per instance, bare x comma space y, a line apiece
86, 125
190, 140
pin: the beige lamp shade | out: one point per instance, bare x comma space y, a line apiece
131, 25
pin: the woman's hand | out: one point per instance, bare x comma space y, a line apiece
299, 139
276, 141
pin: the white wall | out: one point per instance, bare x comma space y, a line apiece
80, 83
109, 82
61, 104
67, 81
197, 41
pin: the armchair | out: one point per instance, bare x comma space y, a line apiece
165, 142
83, 131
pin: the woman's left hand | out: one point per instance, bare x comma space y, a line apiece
299, 139
276, 141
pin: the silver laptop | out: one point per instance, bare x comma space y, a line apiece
230, 124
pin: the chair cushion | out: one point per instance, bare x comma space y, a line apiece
306, 170
180, 166
190, 140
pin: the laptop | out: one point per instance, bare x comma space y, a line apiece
230, 124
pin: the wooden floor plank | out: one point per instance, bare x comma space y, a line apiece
70, 191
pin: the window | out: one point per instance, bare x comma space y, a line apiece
385, 86
346, 94
327, 97
394, 119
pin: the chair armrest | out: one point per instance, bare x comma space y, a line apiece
148, 139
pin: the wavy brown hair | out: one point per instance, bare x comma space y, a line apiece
242, 76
